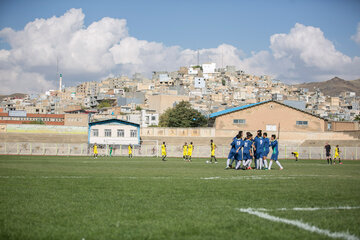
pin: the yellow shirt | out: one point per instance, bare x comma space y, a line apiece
296, 154
190, 149
130, 149
213, 149
95, 149
163, 149
185, 148
337, 153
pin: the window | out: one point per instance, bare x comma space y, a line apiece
302, 123
133, 133
95, 132
107, 132
239, 121
120, 133
153, 118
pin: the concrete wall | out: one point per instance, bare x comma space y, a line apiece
177, 132
76, 120
42, 133
45, 129
345, 126
202, 136
271, 113
65, 140
66, 149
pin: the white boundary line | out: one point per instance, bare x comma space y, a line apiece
248, 177
308, 209
301, 224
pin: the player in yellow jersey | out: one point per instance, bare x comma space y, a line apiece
185, 150
296, 155
212, 148
163, 151
190, 150
130, 151
95, 151
337, 154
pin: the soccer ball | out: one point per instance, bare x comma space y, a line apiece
207, 161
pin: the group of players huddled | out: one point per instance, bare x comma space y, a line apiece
244, 150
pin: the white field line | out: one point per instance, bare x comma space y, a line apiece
81, 177
316, 208
251, 177
300, 224
209, 178
306, 209
150, 177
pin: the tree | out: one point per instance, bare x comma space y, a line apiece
182, 115
104, 104
138, 108
357, 118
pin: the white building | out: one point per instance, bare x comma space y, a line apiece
199, 82
149, 118
115, 132
165, 79
144, 119
209, 67
192, 71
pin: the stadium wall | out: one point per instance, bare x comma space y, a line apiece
200, 151
72, 140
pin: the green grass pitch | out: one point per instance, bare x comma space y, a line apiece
145, 198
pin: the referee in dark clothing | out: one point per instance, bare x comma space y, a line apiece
328, 155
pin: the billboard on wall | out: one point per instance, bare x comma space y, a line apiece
17, 113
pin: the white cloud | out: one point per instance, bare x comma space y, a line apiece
309, 45
16, 80
356, 37
105, 47
303, 54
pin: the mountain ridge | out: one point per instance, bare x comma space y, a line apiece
333, 87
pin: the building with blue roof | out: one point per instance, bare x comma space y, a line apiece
268, 116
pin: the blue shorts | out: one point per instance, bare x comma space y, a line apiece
274, 157
259, 155
238, 156
246, 156
231, 153
265, 154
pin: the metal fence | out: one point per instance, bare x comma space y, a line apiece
152, 150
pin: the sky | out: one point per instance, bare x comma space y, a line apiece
293, 41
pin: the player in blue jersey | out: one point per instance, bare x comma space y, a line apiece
247, 151
238, 143
274, 156
232, 152
266, 150
259, 149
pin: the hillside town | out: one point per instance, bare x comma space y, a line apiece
208, 89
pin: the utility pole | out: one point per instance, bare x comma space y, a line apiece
222, 58
198, 58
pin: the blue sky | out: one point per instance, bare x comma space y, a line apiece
291, 40
204, 24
